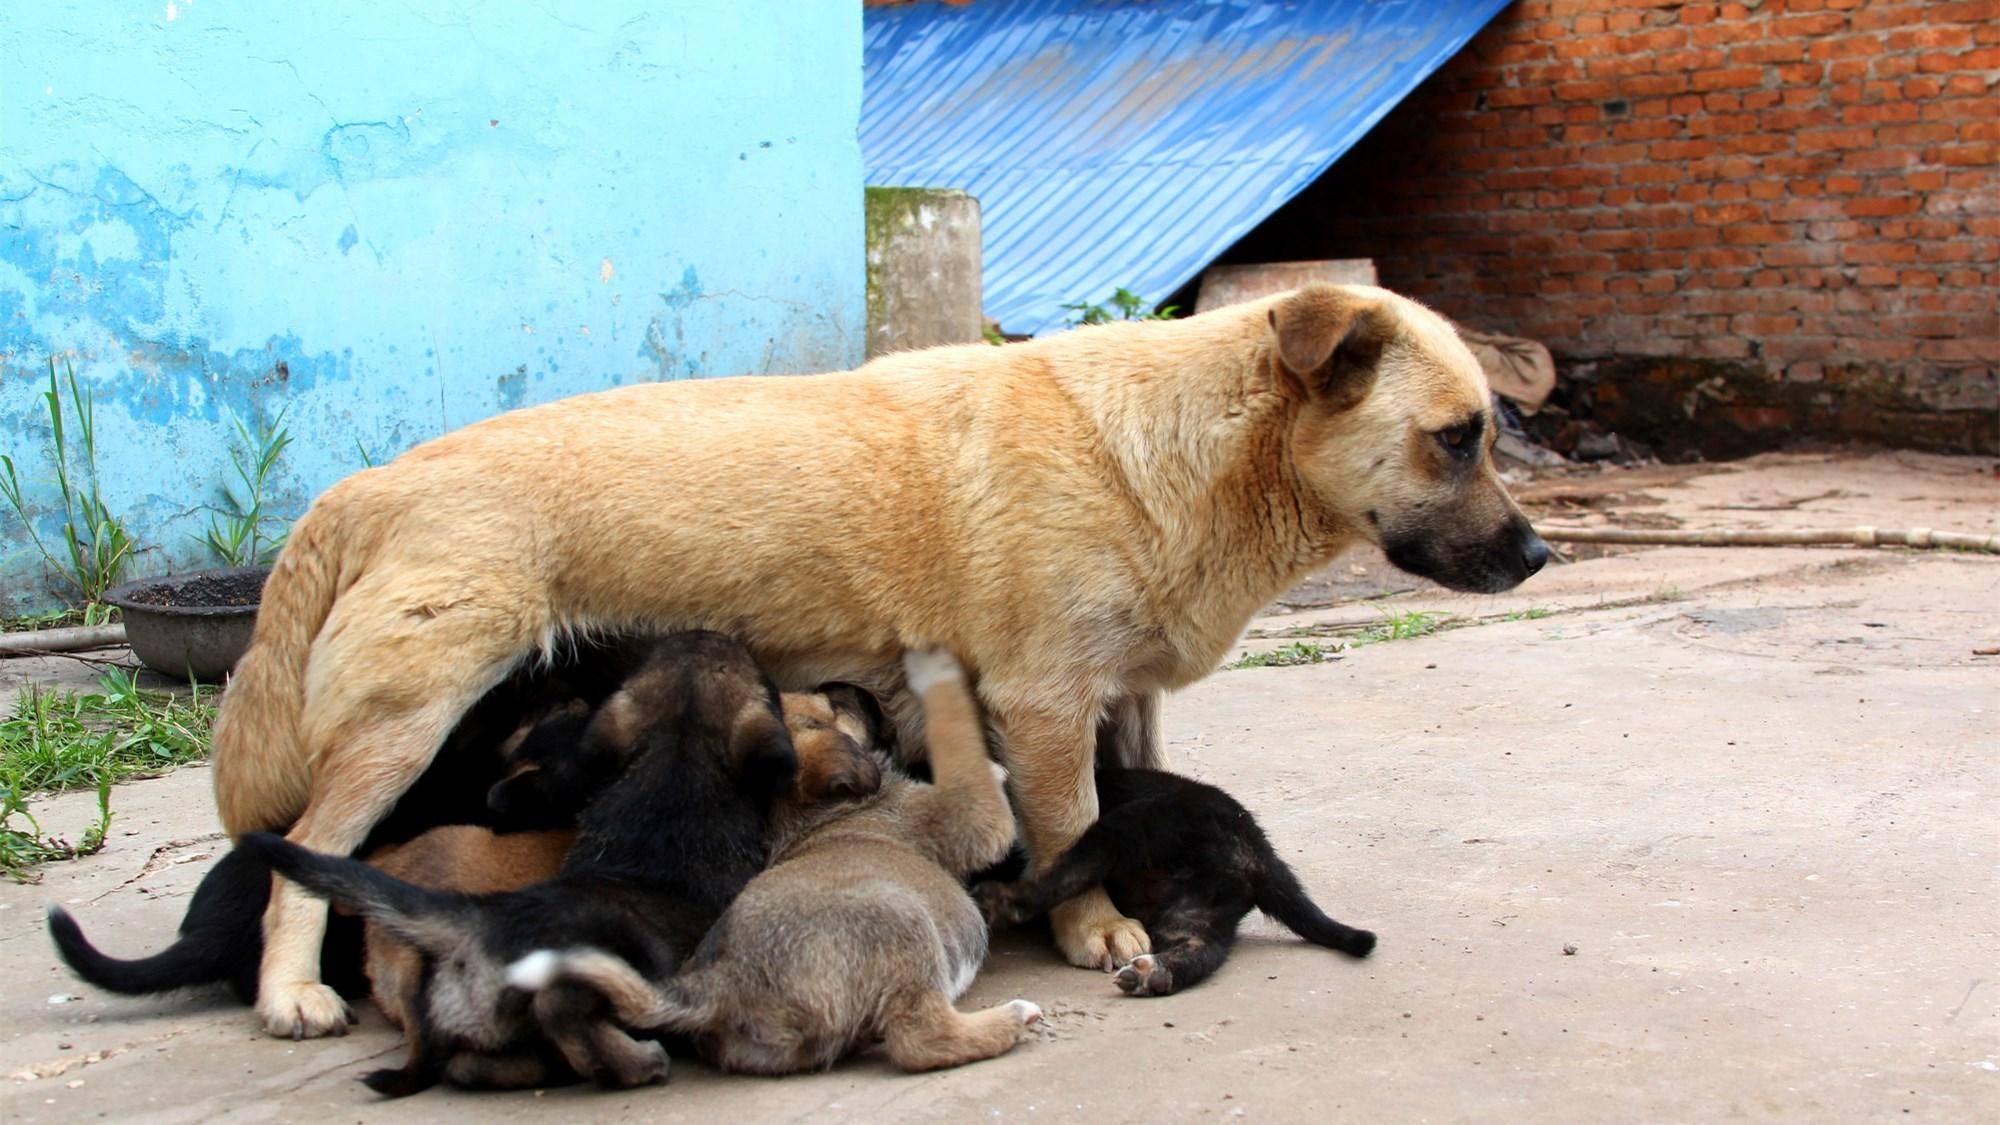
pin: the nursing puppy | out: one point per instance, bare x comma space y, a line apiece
859, 930
659, 855
1086, 520
1186, 860
534, 718
834, 732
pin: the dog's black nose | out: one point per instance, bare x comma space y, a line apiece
1534, 552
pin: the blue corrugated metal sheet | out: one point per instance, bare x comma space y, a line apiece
1129, 142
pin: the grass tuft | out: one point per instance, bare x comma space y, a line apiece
1290, 656
57, 741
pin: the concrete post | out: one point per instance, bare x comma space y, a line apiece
923, 269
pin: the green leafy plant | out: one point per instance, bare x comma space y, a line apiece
1124, 305
55, 741
1291, 655
367, 459
242, 533
96, 544
1406, 626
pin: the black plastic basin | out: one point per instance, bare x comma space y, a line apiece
194, 625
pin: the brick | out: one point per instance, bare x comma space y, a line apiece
1984, 155
1754, 234
1728, 78
1821, 139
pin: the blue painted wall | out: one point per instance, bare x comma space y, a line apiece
391, 220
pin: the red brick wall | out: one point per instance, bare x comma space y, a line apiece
1779, 216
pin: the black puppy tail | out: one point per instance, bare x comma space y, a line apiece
433, 921
221, 938
1280, 895
682, 1004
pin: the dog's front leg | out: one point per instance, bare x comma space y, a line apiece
1051, 754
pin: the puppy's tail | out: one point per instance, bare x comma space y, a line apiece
262, 776
1280, 895
221, 938
682, 1004
434, 921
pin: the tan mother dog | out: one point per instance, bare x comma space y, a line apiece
1085, 520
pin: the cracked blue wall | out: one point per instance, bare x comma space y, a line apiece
391, 220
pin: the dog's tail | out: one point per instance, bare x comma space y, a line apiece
220, 938
434, 921
683, 1004
262, 776
1280, 895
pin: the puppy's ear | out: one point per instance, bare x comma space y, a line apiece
616, 727
762, 749
847, 699
1330, 343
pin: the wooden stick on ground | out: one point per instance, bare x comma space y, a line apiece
1921, 537
61, 640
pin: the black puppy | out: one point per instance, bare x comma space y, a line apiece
1187, 861
658, 857
537, 715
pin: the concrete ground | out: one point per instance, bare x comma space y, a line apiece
1676, 834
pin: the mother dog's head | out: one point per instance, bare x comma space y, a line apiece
1392, 441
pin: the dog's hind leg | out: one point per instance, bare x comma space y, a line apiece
924, 1032
1190, 942
1084, 866
382, 695
1128, 736
577, 1019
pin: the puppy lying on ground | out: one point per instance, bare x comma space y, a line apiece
1188, 862
859, 930
658, 857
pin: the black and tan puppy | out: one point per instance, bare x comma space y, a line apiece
537, 715
860, 930
1186, 860
658, 857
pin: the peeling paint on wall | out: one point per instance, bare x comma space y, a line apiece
352, 215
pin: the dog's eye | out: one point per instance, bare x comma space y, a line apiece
1457, 440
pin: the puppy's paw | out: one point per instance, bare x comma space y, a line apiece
1146, 975
307, 1010
1027, 1011
1093, 935
998, 904
924, 669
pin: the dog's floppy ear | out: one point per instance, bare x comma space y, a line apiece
1329, 343
847, 699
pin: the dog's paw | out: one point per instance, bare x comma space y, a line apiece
1093, 935
307, 1010
1146, 975
1027, 1011
997, 904
924, 669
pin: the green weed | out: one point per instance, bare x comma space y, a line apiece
240, 535
56, 741
1291, 655
96, 544
1124, 305
1405, 626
